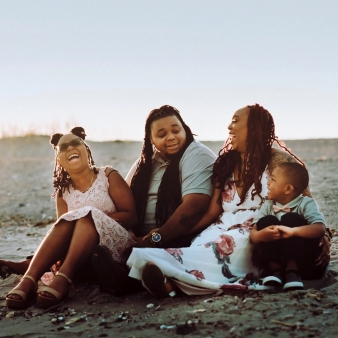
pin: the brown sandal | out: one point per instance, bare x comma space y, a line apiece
21, 303
156, 282
49, 301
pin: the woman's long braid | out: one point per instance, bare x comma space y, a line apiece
282, 145
260, 138
140, 181
61, 178
169, 193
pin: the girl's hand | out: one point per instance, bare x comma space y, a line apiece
285, 232
149, 234
269, 234
139, 241
324, 257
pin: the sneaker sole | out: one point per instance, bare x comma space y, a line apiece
293, 286
272, 281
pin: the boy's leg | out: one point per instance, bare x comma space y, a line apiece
269, 253
304, 250
293, 247
307, 267
293, 252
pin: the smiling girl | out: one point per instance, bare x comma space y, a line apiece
93, 205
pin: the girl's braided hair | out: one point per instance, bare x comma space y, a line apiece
61, 178
169, 193
260, 138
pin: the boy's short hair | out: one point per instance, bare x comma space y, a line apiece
296, 174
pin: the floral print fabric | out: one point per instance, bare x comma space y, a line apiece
220, 258
96, 200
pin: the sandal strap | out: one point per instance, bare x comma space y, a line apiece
64, 276
32, 279
55, 293
18, 292
67, 278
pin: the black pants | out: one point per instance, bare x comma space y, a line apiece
303, 250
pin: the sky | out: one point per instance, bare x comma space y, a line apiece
104, 65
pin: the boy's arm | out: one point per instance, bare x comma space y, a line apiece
316, 230
267, 234
316, 227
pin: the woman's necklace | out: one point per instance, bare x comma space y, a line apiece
90, 184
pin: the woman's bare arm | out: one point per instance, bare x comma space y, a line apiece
61, 206
123, 199
214, 210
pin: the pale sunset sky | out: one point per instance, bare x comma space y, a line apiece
104, 65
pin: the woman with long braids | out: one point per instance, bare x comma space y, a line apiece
171, 185
221, 257
93, 205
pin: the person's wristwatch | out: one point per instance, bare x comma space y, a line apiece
156, 238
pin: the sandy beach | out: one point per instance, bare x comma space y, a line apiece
27, 212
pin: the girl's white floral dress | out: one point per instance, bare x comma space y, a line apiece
96, 200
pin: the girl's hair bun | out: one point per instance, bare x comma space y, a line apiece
79, 131
54, 139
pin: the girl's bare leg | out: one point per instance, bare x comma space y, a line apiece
53, 247
83, 241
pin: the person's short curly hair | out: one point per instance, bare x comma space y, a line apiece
296, 175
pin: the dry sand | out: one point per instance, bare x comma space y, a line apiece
27, 212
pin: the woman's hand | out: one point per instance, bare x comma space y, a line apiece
324, 257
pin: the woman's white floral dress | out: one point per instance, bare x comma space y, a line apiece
220, 258
96, 200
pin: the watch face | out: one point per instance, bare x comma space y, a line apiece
156, 237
